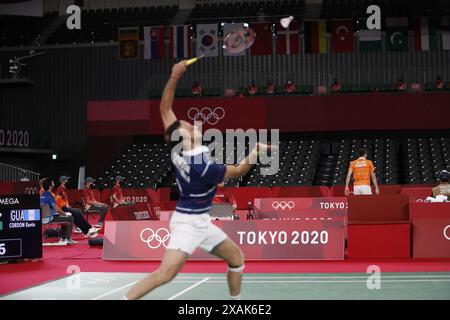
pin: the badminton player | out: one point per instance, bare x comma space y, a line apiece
197, 177
362, 170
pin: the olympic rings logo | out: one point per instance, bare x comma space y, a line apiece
155, 239
283, 205
445, 232
206, 115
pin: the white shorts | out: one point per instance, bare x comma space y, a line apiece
189, 231
362, 189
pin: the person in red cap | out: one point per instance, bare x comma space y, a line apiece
117, 197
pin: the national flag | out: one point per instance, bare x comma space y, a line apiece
369, 40
397, 34
181, 41
154, 46
227, 28
424, 34
288, 40
263, 40
128, 43
316, 36
207, 40
445, 27
342, 38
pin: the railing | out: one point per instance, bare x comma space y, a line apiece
10, 173
362, 76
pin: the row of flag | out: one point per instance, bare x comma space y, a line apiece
288, 40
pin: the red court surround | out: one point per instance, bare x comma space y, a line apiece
245, 194
379, 241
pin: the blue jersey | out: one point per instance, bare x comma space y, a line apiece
47, 199
197, 177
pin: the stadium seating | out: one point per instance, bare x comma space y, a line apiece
246, 11
144, 165
426, 158
383, 152
302, 163
399, 8
22, 30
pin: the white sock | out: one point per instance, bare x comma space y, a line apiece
238, 297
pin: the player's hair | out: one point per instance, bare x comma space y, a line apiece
168, 134
46, 184
362, 152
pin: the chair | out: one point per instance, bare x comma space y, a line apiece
46, 216
87, 212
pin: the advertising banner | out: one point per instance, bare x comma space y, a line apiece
258, 239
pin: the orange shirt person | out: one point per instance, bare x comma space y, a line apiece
362, 170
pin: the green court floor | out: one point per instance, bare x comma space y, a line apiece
110, 286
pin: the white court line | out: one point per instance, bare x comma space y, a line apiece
115, 290
189, 288
321, 277
319, 281
333, 281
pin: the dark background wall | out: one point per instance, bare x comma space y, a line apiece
54, 109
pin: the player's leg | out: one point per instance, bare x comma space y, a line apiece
232, 254
171, 264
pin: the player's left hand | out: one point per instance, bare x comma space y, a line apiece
178, 69
377, 191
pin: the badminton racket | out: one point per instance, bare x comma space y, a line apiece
234, 42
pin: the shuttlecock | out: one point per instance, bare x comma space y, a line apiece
286, 21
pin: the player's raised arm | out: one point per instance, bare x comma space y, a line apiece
165, 107
237, 171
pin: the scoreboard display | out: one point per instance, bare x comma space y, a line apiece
20, 227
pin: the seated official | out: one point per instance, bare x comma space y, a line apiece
336, 86
223, 195
252, 89
196, 89
439, 84
444, 187
289, 87
90, 203
48, 198
400, 85
77, 214
270, 87
117, 198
